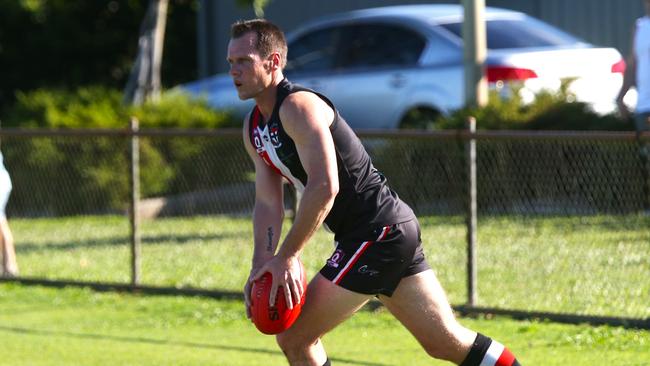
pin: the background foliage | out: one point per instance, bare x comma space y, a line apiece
99, 166
68, 44
550, 110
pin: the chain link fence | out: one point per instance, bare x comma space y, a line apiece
563, 224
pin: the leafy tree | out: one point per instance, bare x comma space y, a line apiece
72, 43
144, 80
258, 5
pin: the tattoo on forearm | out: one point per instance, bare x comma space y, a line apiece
269, 233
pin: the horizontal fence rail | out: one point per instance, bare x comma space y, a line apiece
363, 133
562, 217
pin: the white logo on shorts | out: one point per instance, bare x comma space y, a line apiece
370, 272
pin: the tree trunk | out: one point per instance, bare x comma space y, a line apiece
144, 80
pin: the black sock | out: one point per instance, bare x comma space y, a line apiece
486, 348
478, 350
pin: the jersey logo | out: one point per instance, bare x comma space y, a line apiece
259, 147
275, 137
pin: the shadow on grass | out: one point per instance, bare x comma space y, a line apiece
152, 341
27, 247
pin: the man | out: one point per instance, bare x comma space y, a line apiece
9, 264
297, 134
637, 72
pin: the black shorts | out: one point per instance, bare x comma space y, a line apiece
375, 263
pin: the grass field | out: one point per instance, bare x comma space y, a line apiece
585, 265
72, 326
588, 265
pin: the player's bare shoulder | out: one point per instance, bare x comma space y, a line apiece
305, 110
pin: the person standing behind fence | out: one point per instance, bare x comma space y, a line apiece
9, 264
638, 74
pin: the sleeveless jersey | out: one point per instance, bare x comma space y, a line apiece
364, 200
642, 52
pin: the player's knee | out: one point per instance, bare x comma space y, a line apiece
283, 340
290, 343
452, 346
438, 351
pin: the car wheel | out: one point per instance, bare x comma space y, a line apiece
420, 118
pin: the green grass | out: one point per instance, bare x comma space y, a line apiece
72, 326
588, 265
595, 265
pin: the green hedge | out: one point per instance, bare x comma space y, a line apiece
550, 110
100, 107
532, 177
74, 175
64, 175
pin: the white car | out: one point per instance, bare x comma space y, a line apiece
384, 67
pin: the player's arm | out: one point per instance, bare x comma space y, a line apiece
268, 211
306, 119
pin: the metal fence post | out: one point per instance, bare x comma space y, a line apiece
471, 219
644, 155
134, 215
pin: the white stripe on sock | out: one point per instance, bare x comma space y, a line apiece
493, 353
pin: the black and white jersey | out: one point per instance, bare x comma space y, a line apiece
364, 199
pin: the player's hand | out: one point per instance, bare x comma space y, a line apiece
247, 291
286, 273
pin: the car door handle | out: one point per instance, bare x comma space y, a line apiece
398, 81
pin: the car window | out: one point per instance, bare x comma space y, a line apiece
519, 33
314, 51
379, 45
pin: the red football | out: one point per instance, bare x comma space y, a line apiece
278, 318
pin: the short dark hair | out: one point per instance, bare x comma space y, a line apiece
270, 37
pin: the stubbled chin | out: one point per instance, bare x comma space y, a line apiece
244, 95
